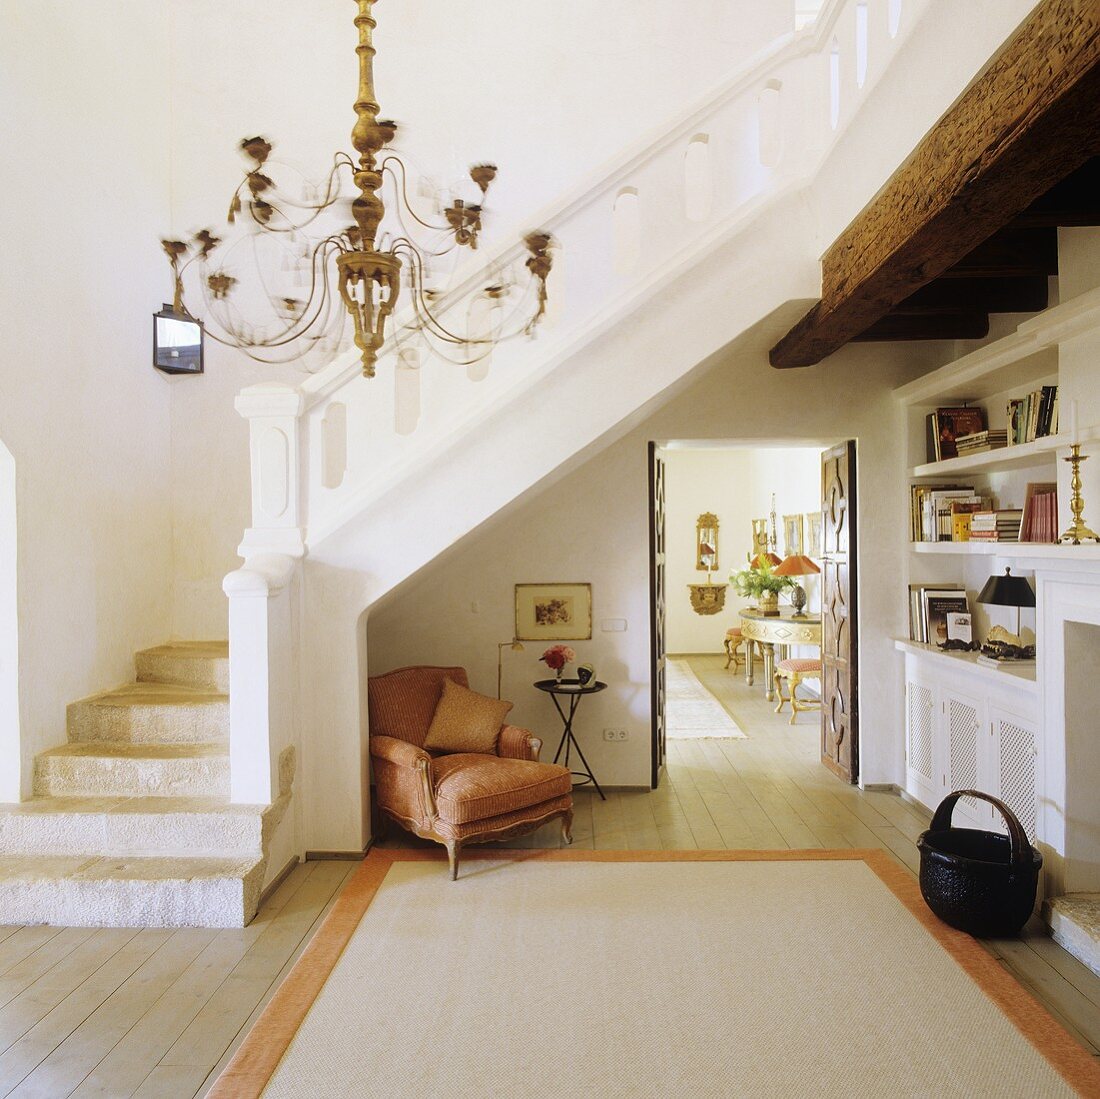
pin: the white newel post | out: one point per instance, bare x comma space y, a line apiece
263, 619
273, 412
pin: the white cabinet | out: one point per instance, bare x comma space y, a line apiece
968, 728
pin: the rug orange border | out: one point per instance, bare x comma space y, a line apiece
254, 1063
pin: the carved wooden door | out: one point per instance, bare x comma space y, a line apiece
657, 607
839, 641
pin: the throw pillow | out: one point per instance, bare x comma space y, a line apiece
465, 721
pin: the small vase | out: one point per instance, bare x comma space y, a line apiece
769, 602
558, 674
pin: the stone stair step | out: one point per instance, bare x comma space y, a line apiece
151, 713
131, 826
98, 768
1074, 920
186, 663
92, 891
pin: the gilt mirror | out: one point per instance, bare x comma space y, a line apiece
706, 542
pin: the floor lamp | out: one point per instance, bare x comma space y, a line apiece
516, 647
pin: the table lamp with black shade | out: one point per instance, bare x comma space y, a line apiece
1008, 591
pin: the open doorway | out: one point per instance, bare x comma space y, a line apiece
731, 525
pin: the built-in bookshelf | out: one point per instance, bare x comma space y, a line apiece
971, 724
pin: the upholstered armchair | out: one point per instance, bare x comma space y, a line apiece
457, 798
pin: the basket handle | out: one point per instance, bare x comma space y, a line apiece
1018, 844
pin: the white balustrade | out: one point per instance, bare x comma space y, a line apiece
764, 130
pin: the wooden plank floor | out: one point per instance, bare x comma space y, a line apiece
156, 1014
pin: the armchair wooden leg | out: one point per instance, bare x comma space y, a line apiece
454, 850
567, 827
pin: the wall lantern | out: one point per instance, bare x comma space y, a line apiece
177, 342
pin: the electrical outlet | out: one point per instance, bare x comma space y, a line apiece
615, 734
623, 734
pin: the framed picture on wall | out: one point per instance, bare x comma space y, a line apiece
554, 612
814, 547
792, 534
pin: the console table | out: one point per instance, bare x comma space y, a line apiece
768, 631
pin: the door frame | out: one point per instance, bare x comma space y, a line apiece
657, 646
655, 466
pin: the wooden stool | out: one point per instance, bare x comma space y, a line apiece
733, 643
794, 671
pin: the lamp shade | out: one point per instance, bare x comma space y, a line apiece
1007, 591
796, 565
762, 558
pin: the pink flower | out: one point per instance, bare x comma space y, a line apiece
557, 656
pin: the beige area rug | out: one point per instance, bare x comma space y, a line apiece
691, 711
648, 974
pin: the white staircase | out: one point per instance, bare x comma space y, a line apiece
131, 824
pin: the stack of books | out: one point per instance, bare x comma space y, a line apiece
981, 441
936, 613
996, 526
939, 513
1034, 416
945, 425
1040, 521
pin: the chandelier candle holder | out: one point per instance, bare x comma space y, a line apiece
360, 265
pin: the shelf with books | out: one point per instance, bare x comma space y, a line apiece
1038, 452
1016, 550
1022, 676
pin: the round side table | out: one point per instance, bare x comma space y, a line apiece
574, 692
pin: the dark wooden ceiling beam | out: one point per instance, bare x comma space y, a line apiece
926, 326
1030, 119
970, 295
1011, 253
1074, 201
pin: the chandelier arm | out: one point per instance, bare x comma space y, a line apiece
331, 193
296, 328
429, 319
420, 305
401, 186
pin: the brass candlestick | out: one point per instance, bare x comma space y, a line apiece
1078, 531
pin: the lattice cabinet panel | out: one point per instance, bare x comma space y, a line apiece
920, 721
962, 718
1016, 754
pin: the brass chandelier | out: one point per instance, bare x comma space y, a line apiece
364, 261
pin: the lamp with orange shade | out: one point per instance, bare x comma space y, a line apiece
762, 558
797, 564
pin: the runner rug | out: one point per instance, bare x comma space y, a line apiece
689, 973
691, 711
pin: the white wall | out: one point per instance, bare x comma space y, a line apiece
737, 485
592, 525
84, 170
9, 633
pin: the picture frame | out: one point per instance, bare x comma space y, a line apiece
813, 528
792, 534
554, 612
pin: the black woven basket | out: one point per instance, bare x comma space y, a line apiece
980, 882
